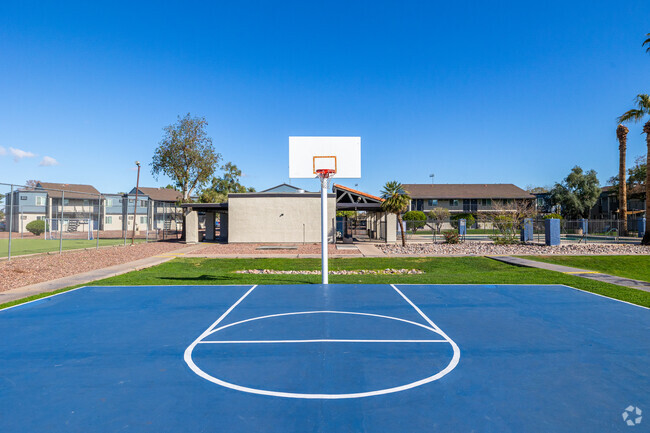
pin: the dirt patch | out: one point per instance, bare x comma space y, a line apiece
23, 271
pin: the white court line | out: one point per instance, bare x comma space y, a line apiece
212, 329
323, 312
322, 340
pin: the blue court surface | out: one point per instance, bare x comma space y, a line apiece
336, 358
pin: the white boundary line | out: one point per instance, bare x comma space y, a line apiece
83, 287
542, 285
212, 329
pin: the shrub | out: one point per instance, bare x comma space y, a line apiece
36, 227
505, 240
451, 236
552, 216
468, 217
415, 219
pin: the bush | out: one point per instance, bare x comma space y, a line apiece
505, 240
552, 216
468, 217
415, 219
451, 236
36, 227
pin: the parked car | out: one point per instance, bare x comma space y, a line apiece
3, 226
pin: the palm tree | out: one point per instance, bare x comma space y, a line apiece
647, 41
636, 115
621, 134
396, 201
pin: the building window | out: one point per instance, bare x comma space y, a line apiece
453, 202
486, 202
39, 217
143, 220
66, 202
86, 202
131, 200
108, 220
40, 201
143, 203
23, 197
109, 202
433, 202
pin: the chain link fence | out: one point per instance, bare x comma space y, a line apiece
40, 219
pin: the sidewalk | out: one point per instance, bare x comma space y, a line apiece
86, 277
584, 273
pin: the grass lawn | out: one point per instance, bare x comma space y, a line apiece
636, 267
31, 246
451, 270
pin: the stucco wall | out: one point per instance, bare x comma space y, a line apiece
292, 218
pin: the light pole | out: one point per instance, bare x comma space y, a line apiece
135, 207
432, 176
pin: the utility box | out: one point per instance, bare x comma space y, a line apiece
462, 227
641, 227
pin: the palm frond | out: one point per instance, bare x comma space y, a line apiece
643, 102
632, 115
647, 41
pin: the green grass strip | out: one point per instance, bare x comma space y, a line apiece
635, 267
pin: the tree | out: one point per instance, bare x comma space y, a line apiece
636, 115
223, 185
537, 189
621, 134
416, 219
439, 215
577, 194
31, 183
396, 201
638, 172
647, 41
186, 155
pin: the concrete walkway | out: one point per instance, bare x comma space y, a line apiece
87, 277
584, 273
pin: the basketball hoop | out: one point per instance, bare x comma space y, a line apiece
324, 173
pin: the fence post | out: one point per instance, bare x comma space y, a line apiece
584, 226
527, 230
462, 228
61, 223
552, 231
11, 211
99, 215
641, 227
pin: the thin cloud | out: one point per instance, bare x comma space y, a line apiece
3, 151
48, 161
19, 154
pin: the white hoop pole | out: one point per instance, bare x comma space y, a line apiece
323, 228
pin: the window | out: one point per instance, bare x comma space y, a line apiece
130, 217
109, 202
86, 202
143, 220
66, 202
453, 202
108, 220
143, 203
39, 218
433, 202
131, 200
486, 202
40, 201
23, 197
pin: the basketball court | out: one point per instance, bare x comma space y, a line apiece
300, 358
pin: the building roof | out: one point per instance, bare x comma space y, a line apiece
354, 191
466, 190
160, 194
284, 187
72, 190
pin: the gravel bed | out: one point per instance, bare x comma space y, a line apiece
483, 249
23, 271
387, 271
236, 249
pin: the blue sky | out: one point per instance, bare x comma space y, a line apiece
472, 91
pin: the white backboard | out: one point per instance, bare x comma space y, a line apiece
306, 154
